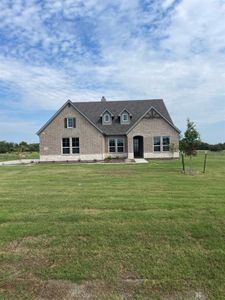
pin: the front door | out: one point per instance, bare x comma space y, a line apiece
138, 146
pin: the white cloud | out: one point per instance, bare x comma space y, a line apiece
141, 52
197, 27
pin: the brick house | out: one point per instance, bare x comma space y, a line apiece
97, 130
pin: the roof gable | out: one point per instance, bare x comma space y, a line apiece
153, 113
106, 111
68, 102
123, 111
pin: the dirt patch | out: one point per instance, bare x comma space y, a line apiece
59, 289
26, 244
87, 290
126, 289
28, 255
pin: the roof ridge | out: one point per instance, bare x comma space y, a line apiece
110, 101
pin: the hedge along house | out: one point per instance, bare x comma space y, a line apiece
97, 130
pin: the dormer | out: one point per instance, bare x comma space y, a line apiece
125, 117
107, 117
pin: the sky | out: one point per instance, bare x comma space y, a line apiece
55, 50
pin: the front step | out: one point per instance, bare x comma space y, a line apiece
140, 161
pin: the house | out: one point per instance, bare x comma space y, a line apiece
97, 130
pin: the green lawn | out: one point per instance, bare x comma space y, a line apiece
113, 231
15, 155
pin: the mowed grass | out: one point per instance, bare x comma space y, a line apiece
73, 231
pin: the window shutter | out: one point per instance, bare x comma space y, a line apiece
74, 122
65, 122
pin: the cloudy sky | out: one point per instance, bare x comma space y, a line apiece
54, 50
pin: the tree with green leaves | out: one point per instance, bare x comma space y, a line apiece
191, 139
190, 142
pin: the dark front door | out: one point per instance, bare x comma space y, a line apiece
138, 146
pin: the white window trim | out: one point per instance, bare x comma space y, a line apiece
153, 143
166, 136
65, 147
71, 147
75, 147
68, 122
161, 143
104, 120
116, 145
127, 121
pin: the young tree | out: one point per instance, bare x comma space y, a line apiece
191, 139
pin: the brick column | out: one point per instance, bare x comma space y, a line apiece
130, 147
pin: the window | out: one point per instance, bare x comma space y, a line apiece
70, 146
70, 122
106, 118
112, 145
120, 145
116, 145
166, 143
66, 146
161, 143
125, 117
157, 143
75, 145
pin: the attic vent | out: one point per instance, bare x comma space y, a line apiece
103, 99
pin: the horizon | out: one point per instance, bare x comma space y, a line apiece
52, 51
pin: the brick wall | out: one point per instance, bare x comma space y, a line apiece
148, 128
91, 140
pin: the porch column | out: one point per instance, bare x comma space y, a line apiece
130, 150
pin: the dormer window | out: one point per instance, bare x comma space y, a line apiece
125, 117
107, 117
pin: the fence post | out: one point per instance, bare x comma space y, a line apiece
183, 165
205, 162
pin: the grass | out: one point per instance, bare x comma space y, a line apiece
113, 231
15, 156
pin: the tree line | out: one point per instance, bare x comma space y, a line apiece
203, 146
7, 147
210, 147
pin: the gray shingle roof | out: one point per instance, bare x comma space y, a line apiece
137, 108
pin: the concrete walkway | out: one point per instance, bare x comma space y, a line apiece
18, 162
140, 161
30, 161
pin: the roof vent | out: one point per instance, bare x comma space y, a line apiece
103, 99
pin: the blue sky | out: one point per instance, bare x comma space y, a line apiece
55, 50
